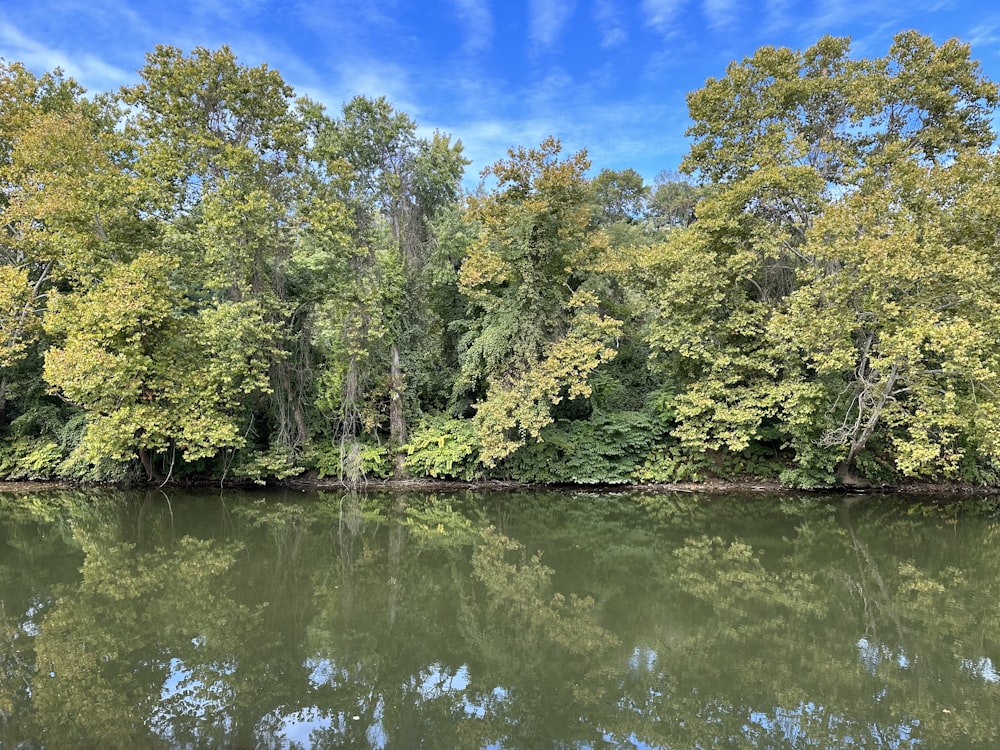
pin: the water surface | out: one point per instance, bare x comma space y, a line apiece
500, 620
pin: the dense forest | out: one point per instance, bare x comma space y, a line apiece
206, 276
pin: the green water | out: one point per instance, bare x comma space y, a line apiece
527, 620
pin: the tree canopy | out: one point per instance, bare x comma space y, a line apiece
203, 275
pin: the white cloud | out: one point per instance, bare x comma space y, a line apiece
547, 20
230, 11
347, 25
477, 24
373, 78
610, 24
779, 14
721, 14
847, 16
89, 70
834, 12
986, 33
486, 140
660, 14
580, 116
548, 93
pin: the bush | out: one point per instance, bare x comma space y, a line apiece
443, 447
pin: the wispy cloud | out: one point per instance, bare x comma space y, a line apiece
612, 135
778, 14
835, 13
862, 20
373, 78
231, 11
488, 139
547, 20
91, 71
721, 14
660, 14
548, 93
608, 16
477, 24
347, 25
581, 116
986, 33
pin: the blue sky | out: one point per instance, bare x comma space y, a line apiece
606, 75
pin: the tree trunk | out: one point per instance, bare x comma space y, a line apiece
397, 421
147, 464
3, 402
867, 425
847, 476
874, 389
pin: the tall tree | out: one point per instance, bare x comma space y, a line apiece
784, 138
221, 162
69, 216
539, 330
899, 322
29, 105
397, 183
172, 234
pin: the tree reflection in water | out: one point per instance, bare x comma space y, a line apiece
504, 621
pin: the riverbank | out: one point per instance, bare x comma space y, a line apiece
712, 486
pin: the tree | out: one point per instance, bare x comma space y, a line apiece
395, 183
674, 200
18, 317
620, 195
540, 330
25, 269
900, 324
151, 378
221, 162
68, 216
791, 143
169, 237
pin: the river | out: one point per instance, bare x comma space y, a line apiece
495, 619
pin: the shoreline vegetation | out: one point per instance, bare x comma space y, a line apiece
749, 486
207, 279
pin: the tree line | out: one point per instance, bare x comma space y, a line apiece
205, 276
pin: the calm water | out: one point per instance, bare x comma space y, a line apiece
528, 620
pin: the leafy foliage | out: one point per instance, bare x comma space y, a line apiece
203, 275
542, 331
605, 449
817, 294
443, 448
150, 377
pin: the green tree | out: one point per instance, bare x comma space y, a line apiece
376, 334
792, 142
69, 215
620, 195
170, 238
899, 322
540, 330
23, 278
24, 273
222, 162
673, 201
150, 378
